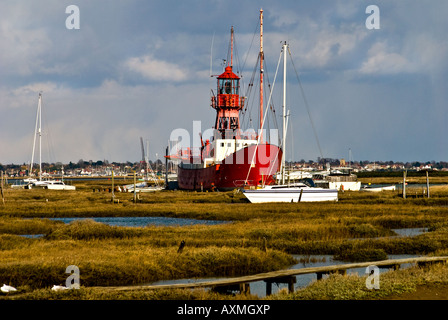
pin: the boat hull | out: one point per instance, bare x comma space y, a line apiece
145, 189
248, 167
56, 187
291, 195
379, 189
345, 185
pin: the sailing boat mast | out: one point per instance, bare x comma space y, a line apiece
261, 72
285, 46
38, 130
40, 137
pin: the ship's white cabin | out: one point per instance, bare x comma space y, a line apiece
225, 147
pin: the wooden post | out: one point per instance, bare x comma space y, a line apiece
291, 282
265, 244
427, 182
135, 187
1, 189
166, 168
300, 197
268, 288
342, 272
404, 184
245, 288
113, 194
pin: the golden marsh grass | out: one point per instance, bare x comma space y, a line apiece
107, 255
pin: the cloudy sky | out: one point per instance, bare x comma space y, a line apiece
141, 68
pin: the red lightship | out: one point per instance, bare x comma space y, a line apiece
232, 159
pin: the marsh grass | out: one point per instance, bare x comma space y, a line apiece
41, 263
410, 179
361, 255
353, 286
96, 293
358, 225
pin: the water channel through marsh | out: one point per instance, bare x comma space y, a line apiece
259, 287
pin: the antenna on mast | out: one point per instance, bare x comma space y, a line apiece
211, 56
231, 47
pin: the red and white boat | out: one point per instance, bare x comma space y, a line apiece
231, 158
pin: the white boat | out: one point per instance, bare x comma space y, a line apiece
42, 183
300, 192
150, 175
130, 187
23, 184
379, 189
290, 193
29, 183
340, 178
150, 189
58, 185
18, 186
142, 187
294, 175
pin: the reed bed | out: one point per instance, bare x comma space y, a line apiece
42, 263
353, 286
257, 237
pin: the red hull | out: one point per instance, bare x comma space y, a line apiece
235, 171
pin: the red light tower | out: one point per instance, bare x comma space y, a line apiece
228, 102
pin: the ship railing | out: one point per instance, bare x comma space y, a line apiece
342, 178
243, 183
249, 134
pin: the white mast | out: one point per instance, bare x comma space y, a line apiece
261, 73
284, 113
38, 130
40, 137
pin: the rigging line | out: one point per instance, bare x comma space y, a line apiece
264, 118
251, 82
211, 55
250, 101
306, 104
239, 71
50, 146
269, 105
292, 140
251, 43
39, 104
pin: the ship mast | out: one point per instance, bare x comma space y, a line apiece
231, 47
261, 72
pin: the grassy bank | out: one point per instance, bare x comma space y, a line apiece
358, 226
353, 287
42, 263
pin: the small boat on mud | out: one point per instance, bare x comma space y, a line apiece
290, 193
379, 189
142, 187
58, 185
